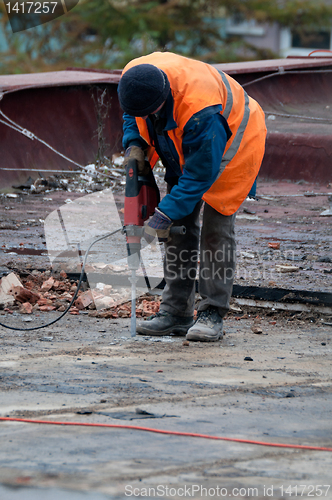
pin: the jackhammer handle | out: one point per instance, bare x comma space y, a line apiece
178, 230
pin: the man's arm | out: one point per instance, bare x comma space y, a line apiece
134, 145
131, 135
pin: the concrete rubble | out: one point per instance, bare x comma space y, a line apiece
36, 293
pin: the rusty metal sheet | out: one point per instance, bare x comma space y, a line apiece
58, 108
299, 120
64, 117
12, 83
272, 65
297, 157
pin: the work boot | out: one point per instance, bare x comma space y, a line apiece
208, 327
164, 323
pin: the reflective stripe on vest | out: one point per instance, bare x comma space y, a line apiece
233, 149
229, 102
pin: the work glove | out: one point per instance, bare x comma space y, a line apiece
136, 153
159, 225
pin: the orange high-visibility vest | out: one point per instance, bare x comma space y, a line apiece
196, 85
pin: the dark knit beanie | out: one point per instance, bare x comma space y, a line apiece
142, 89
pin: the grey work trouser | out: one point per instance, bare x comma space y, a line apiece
217, 255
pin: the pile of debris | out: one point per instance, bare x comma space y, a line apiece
40, 291
93, 177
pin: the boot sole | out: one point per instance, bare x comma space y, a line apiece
201, 338
179, 330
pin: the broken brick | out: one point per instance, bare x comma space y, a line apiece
124, 311
150, 307
22, 294
84, 300
29, 285
26, 308
274, 245
44, 301
74, 310
6, 284
46, 308
47, 285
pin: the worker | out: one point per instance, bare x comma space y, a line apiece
210, 136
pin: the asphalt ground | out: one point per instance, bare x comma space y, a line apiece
85, 369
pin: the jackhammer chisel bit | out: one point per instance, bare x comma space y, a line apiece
141, 198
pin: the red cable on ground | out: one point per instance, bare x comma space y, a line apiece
161, 431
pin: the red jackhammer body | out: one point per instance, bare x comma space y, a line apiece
141, 198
